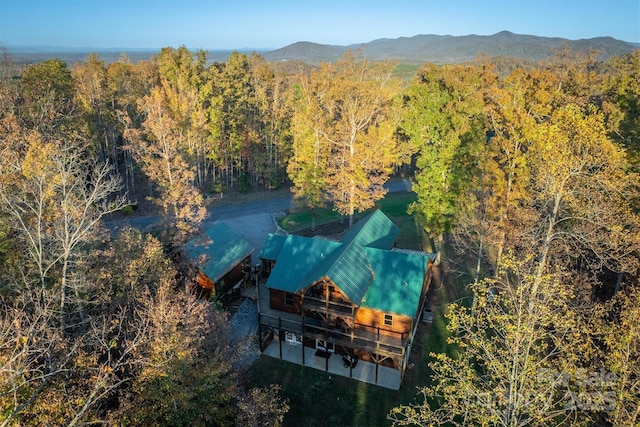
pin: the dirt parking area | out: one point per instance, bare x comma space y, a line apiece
255, 229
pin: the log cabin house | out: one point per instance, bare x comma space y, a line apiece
222, 261
360, 298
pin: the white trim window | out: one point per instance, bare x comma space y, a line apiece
388, 320
325, 346
292, 338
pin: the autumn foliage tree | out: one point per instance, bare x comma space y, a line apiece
582, 191
161, 151
553, 189
47, 98
443, 119
56, 197
514, 106
532, 172
347, 118
513, 349
621, 353
95, 328
275, 110
622, 103
308, 165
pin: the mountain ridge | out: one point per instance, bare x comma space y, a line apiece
452, 49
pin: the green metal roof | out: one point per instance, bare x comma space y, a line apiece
298, 257
375, 230
348, 267
398, 281
272, 246
217, 251
361, 266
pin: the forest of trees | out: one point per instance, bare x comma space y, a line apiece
531, 172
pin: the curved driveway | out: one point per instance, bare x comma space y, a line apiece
252, 220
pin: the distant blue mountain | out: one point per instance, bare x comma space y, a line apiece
453, 49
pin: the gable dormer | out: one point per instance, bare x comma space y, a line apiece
348, 268
375, 230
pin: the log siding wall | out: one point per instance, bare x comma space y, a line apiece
375, 319
229, 280
277, 301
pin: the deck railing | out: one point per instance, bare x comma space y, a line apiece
371, 339
328, 306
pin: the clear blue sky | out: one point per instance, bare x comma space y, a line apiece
236, 24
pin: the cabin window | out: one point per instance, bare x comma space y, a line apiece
325, 346
388, 320
293, 338
332, 288
288, 298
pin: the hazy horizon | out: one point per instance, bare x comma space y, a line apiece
79, 49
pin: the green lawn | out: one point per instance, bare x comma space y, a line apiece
320, 399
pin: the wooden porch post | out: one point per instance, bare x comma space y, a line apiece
353, 321
259, 334
326, 295
279, 335
302, 337
404, 361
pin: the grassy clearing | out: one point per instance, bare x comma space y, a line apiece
297, 220
393, 205
319, 399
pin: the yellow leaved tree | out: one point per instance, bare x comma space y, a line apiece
345, 144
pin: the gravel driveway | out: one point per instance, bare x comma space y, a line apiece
244, 330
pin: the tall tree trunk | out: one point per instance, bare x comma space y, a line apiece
351, 203
546, 245
479, 259
618, 282
439, 243
63, 290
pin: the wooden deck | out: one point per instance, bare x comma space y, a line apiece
363, 339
